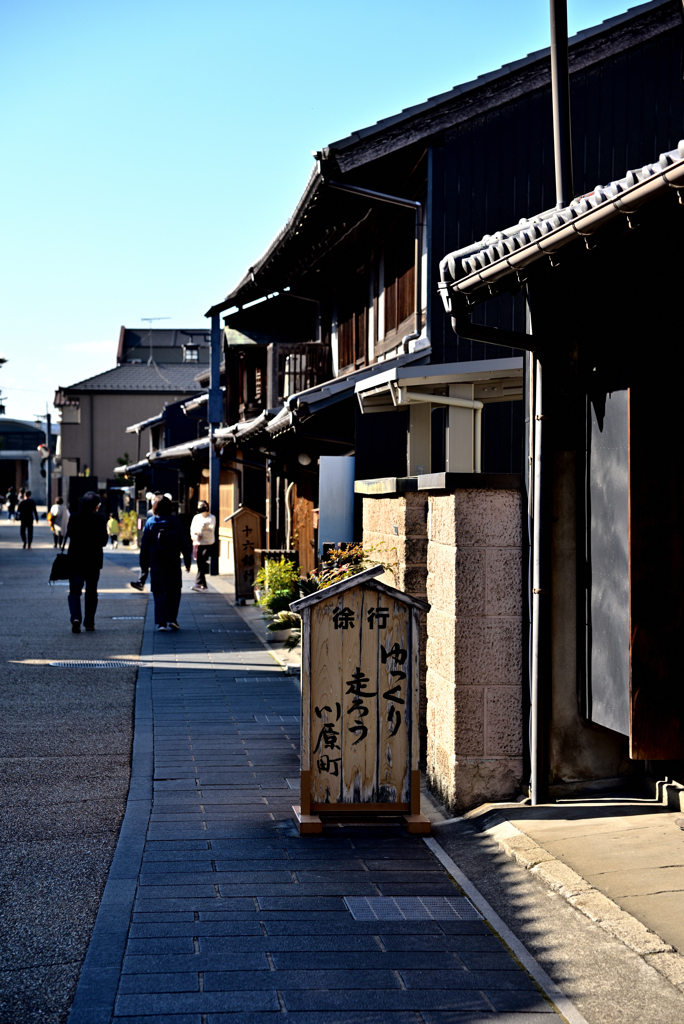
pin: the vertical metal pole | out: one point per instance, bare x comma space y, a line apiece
535, 711
214, 413
418, 272
48, 464
560, 98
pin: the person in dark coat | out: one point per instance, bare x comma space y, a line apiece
27, 512
87, 536
164, 540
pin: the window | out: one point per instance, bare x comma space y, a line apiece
190, 354
399, 283
352, 326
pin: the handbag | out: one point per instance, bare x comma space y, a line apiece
60, 568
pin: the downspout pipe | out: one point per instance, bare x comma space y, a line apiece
408, 204
560, 98
536, 745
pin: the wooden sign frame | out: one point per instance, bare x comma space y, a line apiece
319, 674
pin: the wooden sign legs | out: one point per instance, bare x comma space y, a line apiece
310, 824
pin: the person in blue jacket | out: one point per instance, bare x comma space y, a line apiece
164, 541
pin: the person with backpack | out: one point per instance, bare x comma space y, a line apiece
87, 536
164, 541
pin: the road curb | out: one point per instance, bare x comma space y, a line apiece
549, 988
582, 895
99, 979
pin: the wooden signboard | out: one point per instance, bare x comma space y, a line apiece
360, 685
247, 529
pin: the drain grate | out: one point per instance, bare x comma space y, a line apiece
58, 583
95, 664
126, 618
411, 908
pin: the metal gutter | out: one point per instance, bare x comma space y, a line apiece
153, 421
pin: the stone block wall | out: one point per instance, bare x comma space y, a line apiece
397, 528
474, 646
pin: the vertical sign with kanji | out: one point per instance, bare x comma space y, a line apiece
247, 527
360, 677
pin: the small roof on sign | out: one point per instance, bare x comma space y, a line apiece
366, 577
243, 508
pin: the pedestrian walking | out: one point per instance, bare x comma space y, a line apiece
11, 499
59, 521
27, 512
87, 534
113, 530
203, 536
164, 540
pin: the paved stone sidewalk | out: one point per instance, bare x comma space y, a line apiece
217, 911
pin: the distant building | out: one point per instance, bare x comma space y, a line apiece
154, 367
20, 460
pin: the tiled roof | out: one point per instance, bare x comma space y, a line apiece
165, 377
512, 249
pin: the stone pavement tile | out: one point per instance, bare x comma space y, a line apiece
163, 918
170, 964
306, 903
158, 944
162, 1018
196, 1002
481, 961
289, 943
195, 905
377, 961
441, 979
335, 924
303, 979
531, 1002
255, 879
329, 1017
383, 999
452, 942
194, 928
159, 983
454, 1017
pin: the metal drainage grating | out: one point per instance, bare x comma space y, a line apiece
411, 908
127, 618
58, 583
95, 664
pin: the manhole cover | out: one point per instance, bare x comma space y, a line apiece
95, 664
122, 618
411, 908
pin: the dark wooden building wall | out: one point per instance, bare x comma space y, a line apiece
488, 173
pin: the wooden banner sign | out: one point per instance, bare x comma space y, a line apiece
247, 530
360, 688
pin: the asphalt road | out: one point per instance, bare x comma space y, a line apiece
65, 744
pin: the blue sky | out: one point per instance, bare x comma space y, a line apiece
153, 149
